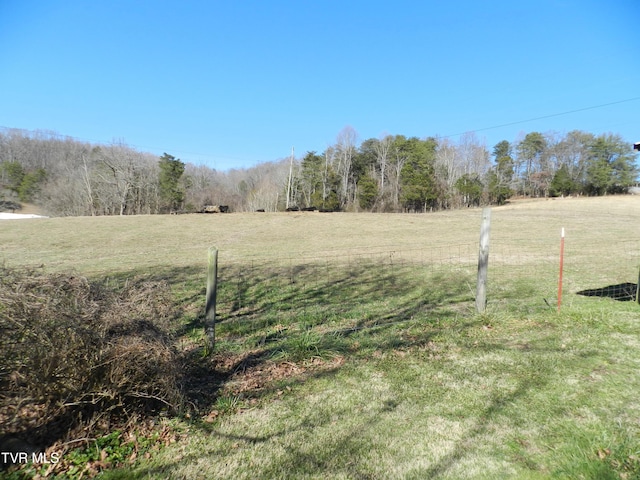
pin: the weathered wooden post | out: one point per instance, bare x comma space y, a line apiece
210, 305
483, 260
638, 289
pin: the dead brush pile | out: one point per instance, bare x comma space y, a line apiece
76, 354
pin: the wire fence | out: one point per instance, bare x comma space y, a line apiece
386, 282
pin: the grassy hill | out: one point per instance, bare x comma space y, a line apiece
348, 345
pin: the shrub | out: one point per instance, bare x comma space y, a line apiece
74, 351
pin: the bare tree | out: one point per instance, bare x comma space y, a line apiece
448, 168
345, 150
382, 148
85, 174
398, 157
118, 176
572, 151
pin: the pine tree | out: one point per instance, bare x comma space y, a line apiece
610, 166
470, 187
418, 183
562, 183
171, 193
367, 192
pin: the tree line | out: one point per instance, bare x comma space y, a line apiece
393, 173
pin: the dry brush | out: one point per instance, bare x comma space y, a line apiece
76, 352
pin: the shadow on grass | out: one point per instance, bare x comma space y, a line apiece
306, 316
305, 312
498, 405
308, 289
298, 313
622, 292
338, 454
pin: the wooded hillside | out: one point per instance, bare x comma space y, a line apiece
394, 173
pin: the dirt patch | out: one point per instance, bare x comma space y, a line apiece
248, 376
255, 380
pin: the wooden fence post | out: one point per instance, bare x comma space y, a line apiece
483, 261
638, 289
210, 305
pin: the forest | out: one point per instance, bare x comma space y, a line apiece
394, 173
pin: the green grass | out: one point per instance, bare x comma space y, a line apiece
348, 364
424, 388
493, 396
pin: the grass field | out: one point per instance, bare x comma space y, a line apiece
348, 345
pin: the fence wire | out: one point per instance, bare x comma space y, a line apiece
351, 284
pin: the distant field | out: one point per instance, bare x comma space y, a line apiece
602, 241
102, 245
348, 346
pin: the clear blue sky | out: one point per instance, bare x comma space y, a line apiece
235, 83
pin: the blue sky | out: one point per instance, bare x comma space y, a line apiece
235, 83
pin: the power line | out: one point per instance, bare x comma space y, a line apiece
213, 157
568, 112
